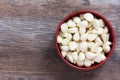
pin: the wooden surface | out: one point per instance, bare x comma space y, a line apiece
27, 40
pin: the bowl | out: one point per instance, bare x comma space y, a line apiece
111, 32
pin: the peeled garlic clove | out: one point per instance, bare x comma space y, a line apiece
94, 47
63, 53
99, 50
81, 16
106, 48
82, 30
72, 30
80, 63
81, 56
108, 43
91, 37
59, 39
90, 44
76, 36
87, 63
63, 34
96, 24
76, 19
99, 41
88, 16
75, 56
70, 23
69, 57
101, 22
65, 42
83, 46
103, 57
73, 45
83, 24
65, 48
98, 59
94, 31
64, 27
90, 55
105, 37
69, 37
105, 30
100, 31
83, 37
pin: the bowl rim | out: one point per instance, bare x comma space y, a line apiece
108, 25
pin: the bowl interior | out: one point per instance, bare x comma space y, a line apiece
111, 32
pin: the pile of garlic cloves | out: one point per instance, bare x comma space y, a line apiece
84, 40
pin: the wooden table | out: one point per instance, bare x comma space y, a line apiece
27, 40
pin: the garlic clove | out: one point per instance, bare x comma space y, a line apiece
70, 23
76, 19
83, 46
101, 22
105, 30
91, 37
90, 55
90, 44
99, 41
76, 36
65, 42
81, 56
64, 27
83, 37
59, 39
64, 48
73, 45
88, 16
94, 47
75, 56
106, 48
69, 36
96, 24
72, 30
69, 57
87, 63
108, 43
82, 30
80, 63
105, 37
63, 53
83, 24
98, 58
99, 50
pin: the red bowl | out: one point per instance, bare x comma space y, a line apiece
112, 39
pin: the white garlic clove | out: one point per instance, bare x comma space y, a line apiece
72, 30
65, 48
81, 56
69, 36
63, 53
100, 31
64, 27
80, 63
73, 45
94, 31
65, 42
69, 57
96, 24
84, 37
98, 58
83, 24
101, 22
87, 63
108, 43
76, 19
82, 30
75, 56
105, 30
70, 23
76, 36
89, 17
59, 39
81, 16
106, 48
105, 37
94, 47
99, 41
83, 46
90, 44
63, 34
90, 55
103, 57
91, 37
99, 50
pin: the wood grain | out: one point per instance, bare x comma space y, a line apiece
27, 41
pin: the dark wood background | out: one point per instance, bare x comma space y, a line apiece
27, 40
